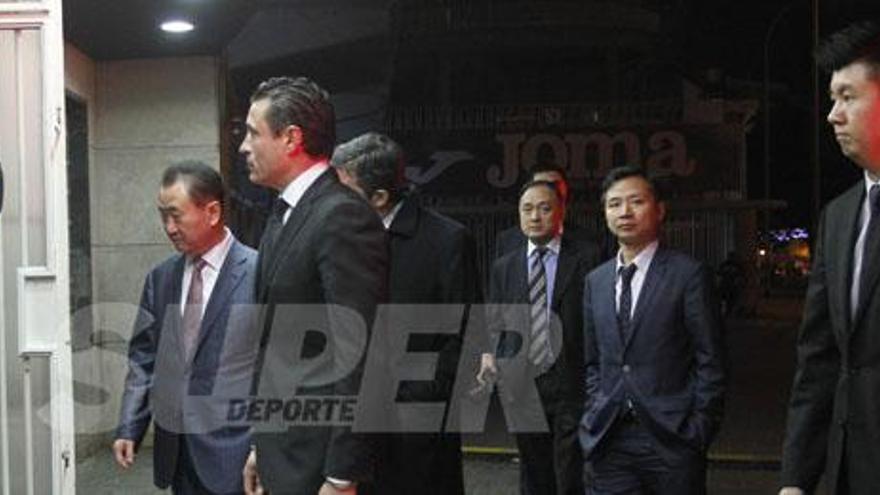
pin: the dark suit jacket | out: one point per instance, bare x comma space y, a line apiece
508, 284
836, 386
433, 262
333, 250
192, 397
671, 365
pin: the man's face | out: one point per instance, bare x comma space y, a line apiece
855, 114
540, 214
632, 212
266, 151
190, 227
551, 176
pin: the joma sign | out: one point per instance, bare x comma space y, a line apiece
587, 156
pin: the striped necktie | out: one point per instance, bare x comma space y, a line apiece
540, 353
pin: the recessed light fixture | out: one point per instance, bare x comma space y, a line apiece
177, 26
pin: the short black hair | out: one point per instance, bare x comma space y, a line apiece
376, 162
300, 102
859, 41
547, 167
619, 173
202, 183
545, 183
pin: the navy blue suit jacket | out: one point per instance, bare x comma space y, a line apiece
188, 399
671, 363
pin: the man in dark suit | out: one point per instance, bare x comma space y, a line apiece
433, 262
323, 268
510, 239
193, 344
655, 373
543, 276
834, 414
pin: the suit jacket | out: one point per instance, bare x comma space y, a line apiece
331, 255
187, 399
835, 387
509, 285
671, 363
433, 262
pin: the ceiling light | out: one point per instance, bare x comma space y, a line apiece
177, 26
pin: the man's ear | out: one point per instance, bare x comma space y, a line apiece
293, 138
379, 199
215, 212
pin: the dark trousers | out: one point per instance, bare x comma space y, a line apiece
551, 463
186, 479
628, 462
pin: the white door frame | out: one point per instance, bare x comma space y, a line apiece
43, 288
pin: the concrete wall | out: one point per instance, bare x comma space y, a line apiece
144, 115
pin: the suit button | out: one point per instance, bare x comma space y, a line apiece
626, 368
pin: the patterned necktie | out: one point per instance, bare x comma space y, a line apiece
539, 342
870, 257
624, 310
192, 312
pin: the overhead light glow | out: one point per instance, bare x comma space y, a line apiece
177, 26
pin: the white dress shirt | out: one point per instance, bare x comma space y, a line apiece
643, 263
214, 259
298, 187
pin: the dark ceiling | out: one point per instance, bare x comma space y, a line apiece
122, 29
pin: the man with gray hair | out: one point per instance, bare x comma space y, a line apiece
433, 262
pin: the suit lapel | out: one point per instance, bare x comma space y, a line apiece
295, 222
175, 289
648, 292
605, 310
520, 274
565, 268
230, 276
846, 230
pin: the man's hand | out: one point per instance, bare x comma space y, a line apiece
252, 485
488, 370
791, 490
123, 452
328, 489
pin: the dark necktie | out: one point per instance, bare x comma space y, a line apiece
624, 309
539, 342
275, 223
192, 312
870, 257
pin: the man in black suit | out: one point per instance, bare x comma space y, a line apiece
433, 262
542, 349
834, 415
510, 239
655, 368
193, 345
322, 270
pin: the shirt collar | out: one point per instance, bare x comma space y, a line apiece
868, 184
552, 246
642, 260
215, 256
295, 190
388, 219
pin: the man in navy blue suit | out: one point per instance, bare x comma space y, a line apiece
653, 350
193, 345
